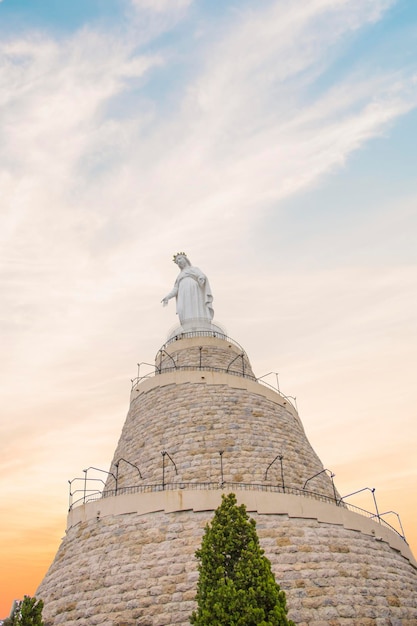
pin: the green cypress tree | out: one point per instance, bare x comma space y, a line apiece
29, 613
236, 586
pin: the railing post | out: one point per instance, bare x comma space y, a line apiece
282, 473
221, 468
163, 466
85, 483
117, 470
280, 457
376, 506
334, 488
117, 476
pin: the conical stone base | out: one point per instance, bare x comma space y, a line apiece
203, 425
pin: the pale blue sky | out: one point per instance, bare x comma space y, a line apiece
342, 217
274, 142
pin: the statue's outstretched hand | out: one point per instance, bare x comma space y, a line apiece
164, 301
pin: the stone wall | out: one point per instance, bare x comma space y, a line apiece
193, 422
205, 352
140, 570
135, 566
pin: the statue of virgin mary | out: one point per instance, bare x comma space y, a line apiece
193, 294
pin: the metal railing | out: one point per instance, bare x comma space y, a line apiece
204, 368
203, 333
234, 486
156, 370
207, 368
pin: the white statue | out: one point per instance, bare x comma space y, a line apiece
192, 292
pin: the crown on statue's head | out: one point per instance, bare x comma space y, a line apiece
177, 255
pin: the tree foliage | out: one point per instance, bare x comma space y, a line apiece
28, 613
236, 586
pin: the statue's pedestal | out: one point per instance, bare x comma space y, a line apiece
197, 326
201, 426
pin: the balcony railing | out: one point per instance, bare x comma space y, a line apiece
89, 496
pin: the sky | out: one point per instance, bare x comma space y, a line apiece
274, 141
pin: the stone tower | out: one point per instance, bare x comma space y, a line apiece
201, 425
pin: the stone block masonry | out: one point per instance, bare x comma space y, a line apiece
195, 414
139, 569
194, 421
219, 354
127, 559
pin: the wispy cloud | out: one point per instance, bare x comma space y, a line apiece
243, 132
93, 175
161, 6
119, 147
91, 170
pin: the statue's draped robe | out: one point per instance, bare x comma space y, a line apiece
194, 301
